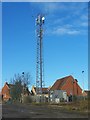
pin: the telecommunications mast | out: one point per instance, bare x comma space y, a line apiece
39, 59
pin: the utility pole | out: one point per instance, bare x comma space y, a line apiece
83, 80
39, 60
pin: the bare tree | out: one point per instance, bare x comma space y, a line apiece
19, 85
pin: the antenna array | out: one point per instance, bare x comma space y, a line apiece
39, 60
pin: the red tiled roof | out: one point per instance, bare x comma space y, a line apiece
60, 82
9, 85
44, 90
87, 91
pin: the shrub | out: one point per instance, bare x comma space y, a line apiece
74, 98
27, 99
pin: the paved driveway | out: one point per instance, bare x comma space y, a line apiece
35, 111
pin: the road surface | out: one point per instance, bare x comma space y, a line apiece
37, 111
0, 111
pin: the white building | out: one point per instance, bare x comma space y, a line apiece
57, 96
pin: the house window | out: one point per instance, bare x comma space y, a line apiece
63, 83
4, 95
50, 95
56, 96
51, 92
51, 99
73, 81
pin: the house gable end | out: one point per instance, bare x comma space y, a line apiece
58, 85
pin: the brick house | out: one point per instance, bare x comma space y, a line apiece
44, 91
69, 84
39, 97
5, 92
86, 93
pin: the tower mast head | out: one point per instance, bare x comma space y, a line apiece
39, 63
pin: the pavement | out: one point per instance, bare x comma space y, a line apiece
37, 111
0, 111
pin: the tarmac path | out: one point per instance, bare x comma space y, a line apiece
36, 111
0, 111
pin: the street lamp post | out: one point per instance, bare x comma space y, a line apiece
83, 80
23, 81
